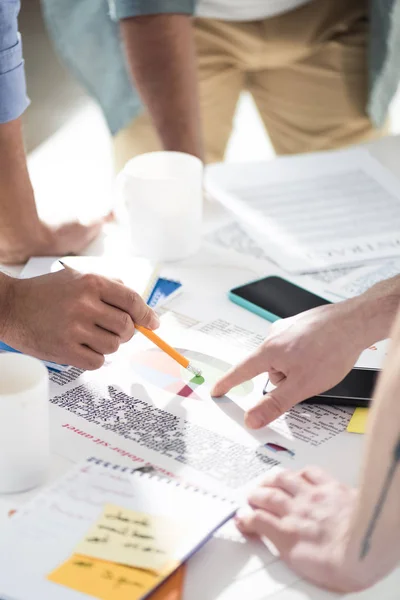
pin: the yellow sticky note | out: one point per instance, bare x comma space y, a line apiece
132, 538
108, 581
358, 421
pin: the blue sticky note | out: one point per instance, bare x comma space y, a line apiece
161, 291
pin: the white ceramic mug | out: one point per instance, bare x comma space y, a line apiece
163, 196
24, 423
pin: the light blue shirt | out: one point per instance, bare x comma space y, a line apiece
13, 98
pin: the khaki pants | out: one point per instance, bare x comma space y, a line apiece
306, 70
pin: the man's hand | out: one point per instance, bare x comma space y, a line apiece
22, 233
70, 318
71, 238
327, 532
304, 356
307, 516
43, 240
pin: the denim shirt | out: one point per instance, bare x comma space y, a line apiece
86, 34
13, 98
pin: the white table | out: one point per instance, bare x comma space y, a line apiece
240, 574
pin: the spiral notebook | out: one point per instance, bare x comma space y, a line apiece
38, 546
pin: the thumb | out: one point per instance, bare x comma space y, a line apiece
271, 406
145, 316
109, 218
94, 228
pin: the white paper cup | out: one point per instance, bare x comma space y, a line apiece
163, 196
24, 423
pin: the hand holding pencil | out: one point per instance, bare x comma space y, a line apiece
142, 313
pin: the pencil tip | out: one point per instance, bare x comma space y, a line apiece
194, 370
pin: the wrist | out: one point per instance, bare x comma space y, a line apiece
17, 245
373, 316
353, 318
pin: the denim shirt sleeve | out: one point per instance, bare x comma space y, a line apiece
123, 9
13, 98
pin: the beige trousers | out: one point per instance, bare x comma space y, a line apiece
306, 70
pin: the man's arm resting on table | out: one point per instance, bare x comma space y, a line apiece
22, 234
161, 57
20, 227
339, 538
374, 539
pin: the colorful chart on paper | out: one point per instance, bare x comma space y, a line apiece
159, 369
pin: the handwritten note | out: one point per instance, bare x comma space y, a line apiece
109, 581
358, 421
132, 538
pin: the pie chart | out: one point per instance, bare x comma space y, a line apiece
160, 370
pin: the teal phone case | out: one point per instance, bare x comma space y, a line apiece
257, 310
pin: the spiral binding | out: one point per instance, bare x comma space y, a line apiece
149, 472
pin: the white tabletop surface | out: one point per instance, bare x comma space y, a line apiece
232, 581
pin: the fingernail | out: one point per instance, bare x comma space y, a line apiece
154, 321
242, 514
215, 391
253, 420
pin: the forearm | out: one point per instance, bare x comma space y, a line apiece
374, 544
21, 231
161, 57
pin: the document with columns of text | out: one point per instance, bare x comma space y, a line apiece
315, 211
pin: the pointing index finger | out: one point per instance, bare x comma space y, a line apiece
251, 367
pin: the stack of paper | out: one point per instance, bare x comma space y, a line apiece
314, 211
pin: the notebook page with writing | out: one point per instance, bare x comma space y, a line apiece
314, 211
45, 533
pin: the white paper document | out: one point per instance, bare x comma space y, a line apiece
360, 280
232, 237
314, 211
144, 408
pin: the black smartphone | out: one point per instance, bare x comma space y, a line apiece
356, 389
275, 298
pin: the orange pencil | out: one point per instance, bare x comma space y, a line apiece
153, 337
